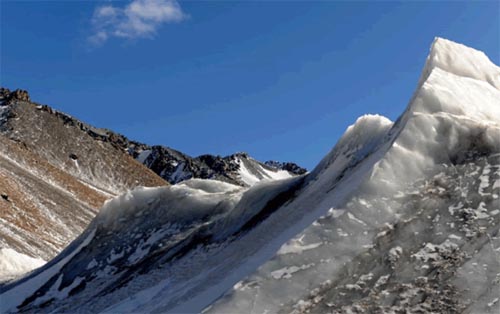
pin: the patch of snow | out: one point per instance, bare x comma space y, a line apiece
452, 208
14, 264
14, 297
245, 175
496, 184
433, 252
115, 256
93, 263
352, 217
334, 213
382, 280
143, 156
287, 272
276, 175
295, 247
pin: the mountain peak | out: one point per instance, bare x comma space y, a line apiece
453, 77
460, 60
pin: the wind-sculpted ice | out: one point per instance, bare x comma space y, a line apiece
427, 207
397, 217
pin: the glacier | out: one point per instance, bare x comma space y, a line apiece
398, 216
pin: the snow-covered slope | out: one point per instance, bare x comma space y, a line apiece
398, 216
163, 233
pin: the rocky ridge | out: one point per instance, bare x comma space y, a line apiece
175, 166
170, 164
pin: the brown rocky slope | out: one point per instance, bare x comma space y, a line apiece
54, 176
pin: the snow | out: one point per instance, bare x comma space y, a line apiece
179, 173
245, 175
295, 246
359, 139
382, 280
432, 252
114, 256
136, 301
143, 155
276, 175
447, 115
455, 108
395, 254
461, 60
14, 264
352, 217
493, 302
364, 211
287, 272
496, 185
203, 195
12, 298
3, 111
258, 173
210, 186
58, 293
92, 264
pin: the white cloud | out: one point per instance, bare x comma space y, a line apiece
138, 19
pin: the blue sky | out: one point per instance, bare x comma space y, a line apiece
280, 80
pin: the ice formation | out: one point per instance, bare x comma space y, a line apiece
398, 216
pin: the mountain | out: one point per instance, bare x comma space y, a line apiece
56, 171
398, 217
170, 164
239, 168
54, 176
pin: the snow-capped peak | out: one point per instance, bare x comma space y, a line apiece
460, 60
454, 110
454, 76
